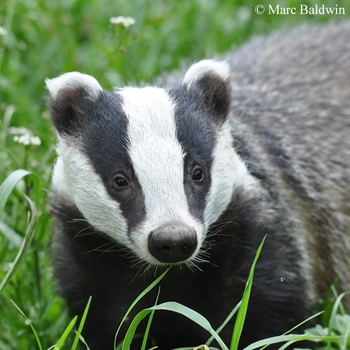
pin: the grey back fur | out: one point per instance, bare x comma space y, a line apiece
292, 96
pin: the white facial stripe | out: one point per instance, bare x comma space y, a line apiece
75, 177
155, 151
157, 158
228, 172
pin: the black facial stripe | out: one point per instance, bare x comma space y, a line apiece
196, 134
105, 143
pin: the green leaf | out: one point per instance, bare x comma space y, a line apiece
227, 320
341, 323
81, 325
334, 315
66, 333
9, 184
29, 322
173, 307
318, 330
286, 338
150, 319
303, 322
25, 244
148, 289
238, 328
129, 336
297, 326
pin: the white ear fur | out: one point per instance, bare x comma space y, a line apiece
74, 81
204, 67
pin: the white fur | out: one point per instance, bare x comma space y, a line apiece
157, 158
75, 178
73, 81
201, 68
228, 172
59, 181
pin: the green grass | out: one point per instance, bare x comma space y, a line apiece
46, 38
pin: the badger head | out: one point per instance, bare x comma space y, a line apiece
149, 167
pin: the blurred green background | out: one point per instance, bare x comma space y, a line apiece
41, 39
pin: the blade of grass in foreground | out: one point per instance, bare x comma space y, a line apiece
294, 328
286, 338
227, 320
5, 190
150, 319
81, 325
66, 333
24, 247
195, 316
29, 322
238, 328
173, 307
9, 184
292, 338
336, 307
149, 288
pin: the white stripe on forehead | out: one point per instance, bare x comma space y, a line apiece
156, 154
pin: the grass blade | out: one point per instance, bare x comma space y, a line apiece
297, 326
238, 328
9, 184
193, 316
227, 320
148, 289
129, 336
148, 327
173, 307
29, 322
25, 244
286, 338
66, 333
81, 325
336, 307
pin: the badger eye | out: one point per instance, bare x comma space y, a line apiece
120, 182
197, 174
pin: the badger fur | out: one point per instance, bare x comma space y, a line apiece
194, 174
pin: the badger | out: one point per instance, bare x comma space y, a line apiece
193, 173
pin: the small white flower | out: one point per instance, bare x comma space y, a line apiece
35, 141
3, 31
24, 136
22, 139
126, 22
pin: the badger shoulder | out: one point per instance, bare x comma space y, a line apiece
290, 115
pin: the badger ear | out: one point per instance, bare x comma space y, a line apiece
210, 79
70, 97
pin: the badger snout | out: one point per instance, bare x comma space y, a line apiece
172, 243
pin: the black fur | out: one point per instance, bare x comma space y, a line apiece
92, 264
68, 110
193, 126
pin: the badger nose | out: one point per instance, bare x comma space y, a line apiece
172, 243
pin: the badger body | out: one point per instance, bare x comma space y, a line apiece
193, 175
